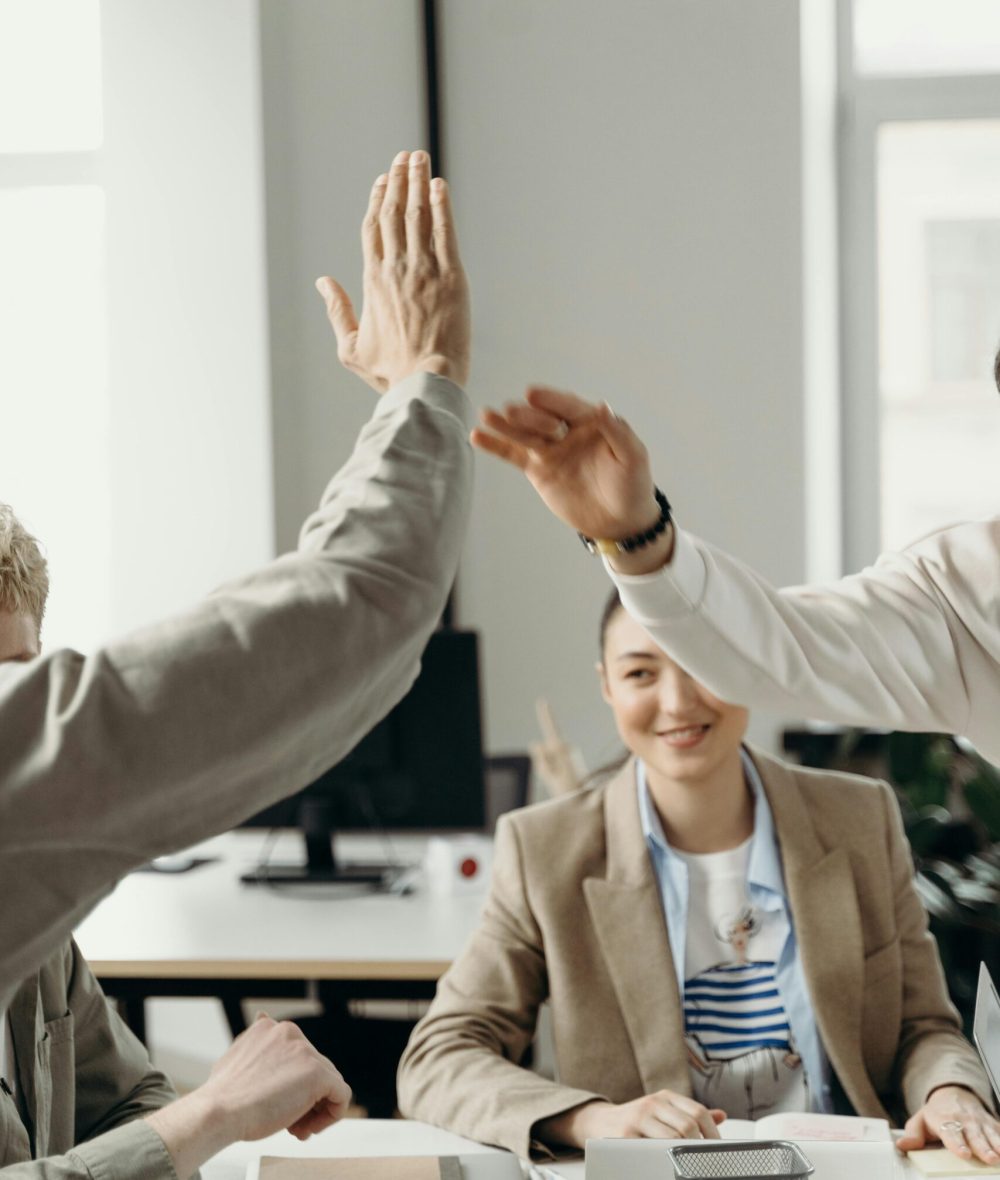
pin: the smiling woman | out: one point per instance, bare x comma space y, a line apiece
706, 925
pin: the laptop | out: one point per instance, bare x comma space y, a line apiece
986, 1027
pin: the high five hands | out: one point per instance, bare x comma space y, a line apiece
585, 462
415, 316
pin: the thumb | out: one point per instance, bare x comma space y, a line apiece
340, 312
914, 1134
620, 437
718, 1116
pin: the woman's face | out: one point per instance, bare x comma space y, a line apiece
670, 721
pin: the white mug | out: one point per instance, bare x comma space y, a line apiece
458, 864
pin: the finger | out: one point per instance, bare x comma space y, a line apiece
500, 448
993, 1135
500, 424
371, 233
954, 1140
718, 1116
675, 1116
324, 1114
914, 1135
701, 1115
443, 227
621, 438
560, 404
390, 218
547, 723
340, 313
418, 217
981, 1147
653, 1127
548, 425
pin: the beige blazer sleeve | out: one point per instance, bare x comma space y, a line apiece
182, 729
911, 643
460, 1069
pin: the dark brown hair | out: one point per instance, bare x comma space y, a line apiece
611, 607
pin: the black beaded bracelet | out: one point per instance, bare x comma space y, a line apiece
638, 540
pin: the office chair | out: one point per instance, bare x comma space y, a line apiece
507, 782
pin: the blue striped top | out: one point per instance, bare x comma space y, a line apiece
731, 1010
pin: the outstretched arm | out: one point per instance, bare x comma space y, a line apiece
894, 646
180, 730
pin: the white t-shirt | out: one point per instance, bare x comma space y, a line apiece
743, 1059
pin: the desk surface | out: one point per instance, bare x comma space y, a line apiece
360, 1137
204, 924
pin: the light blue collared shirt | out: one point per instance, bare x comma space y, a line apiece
766, 887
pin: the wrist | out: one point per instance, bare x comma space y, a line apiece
626, 540
648, 559
573, 1127
438, 364
193, 1129
953, 1090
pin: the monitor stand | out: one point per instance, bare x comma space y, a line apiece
322, 866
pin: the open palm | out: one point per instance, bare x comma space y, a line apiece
587, 465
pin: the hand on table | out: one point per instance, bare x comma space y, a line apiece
270, 1079
415, 316
663, 1115
588, 465
955, 1117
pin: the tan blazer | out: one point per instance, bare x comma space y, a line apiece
575, 917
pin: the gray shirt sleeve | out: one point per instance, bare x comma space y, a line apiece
182, 729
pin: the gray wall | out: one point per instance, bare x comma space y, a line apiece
342, 92
628, 186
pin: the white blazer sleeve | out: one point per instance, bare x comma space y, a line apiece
911, 643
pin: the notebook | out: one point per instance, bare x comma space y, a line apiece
418, 1167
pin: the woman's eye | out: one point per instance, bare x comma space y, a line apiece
638, 674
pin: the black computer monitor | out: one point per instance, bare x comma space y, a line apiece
421, 767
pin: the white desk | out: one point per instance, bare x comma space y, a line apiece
203, 933
359, 1137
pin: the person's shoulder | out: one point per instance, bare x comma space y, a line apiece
855, 799
541, 820
970, 541
563, 839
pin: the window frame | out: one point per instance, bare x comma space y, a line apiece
867, 102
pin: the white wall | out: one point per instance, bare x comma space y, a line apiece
343, 85
628, 180
190, 472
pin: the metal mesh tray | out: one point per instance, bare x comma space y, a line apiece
740, 1161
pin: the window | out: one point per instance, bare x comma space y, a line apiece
921, 280
53, 363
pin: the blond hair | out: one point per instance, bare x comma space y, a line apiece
24, 572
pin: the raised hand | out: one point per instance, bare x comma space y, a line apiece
587, 465
554, 760
415, 316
